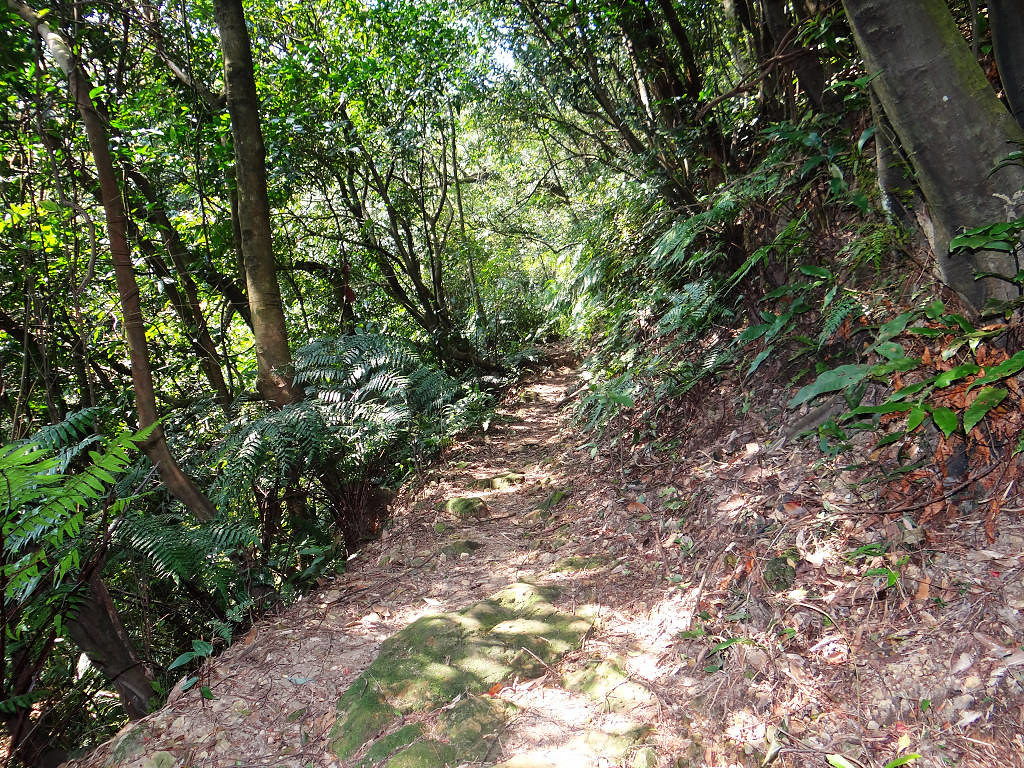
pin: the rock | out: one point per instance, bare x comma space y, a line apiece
160, 760
501, 482
606, 682
644, 757
467, 507
456, 549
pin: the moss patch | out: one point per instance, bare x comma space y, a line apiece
500, 482
425, 754
385, 747
605, 681
779, 574
364, 713
129, 746
515, 633
467, 507
578, 563
553, 498
454, 549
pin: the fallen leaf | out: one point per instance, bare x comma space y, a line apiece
637, 508
923, 588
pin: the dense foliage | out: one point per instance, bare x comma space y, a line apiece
206, 404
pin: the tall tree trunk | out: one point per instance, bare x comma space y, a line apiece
952, 126
1007, 20
155, 446
273, 357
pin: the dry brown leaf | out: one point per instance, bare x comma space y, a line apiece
637, 508
923, 589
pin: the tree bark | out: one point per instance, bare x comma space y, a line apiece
952, 127
273, 356
98, 631
155, 446
1006, 18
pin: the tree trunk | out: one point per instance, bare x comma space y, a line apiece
155, 446
1006, 18
98, 631
952, 127
273, 357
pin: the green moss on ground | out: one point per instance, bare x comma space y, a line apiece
459, 547
500, 482
606, 681
386, 746
580, 563
516, 633
467, 507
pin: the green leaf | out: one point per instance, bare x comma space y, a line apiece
724, 644
931, 333
206, 693
987, 399
946, 378
812, 271
843, 377
946, 420
934, 309
189, 683
838, 761
753, 332
759, 359
890, 439
883, 408
915, 418
1001, 371
894, 327
185, 658
959, 320
897, 365
891, 350
904, 759
911, 389
865, 137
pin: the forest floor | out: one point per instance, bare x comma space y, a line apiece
747, 606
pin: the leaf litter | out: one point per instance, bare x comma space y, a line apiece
756, 604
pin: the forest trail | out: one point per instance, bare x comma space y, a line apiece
728, 626
277, 688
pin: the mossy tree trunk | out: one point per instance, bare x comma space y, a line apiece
952, 127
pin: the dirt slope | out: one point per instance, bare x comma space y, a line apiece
748, 608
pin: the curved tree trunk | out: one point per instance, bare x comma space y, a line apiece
952, 126
155, 446
273, 356
98, 631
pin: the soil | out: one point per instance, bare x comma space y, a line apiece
751, 605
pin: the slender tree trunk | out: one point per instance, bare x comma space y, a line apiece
952, 127
273, 356
155, 446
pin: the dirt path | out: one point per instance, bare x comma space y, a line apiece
732, 625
